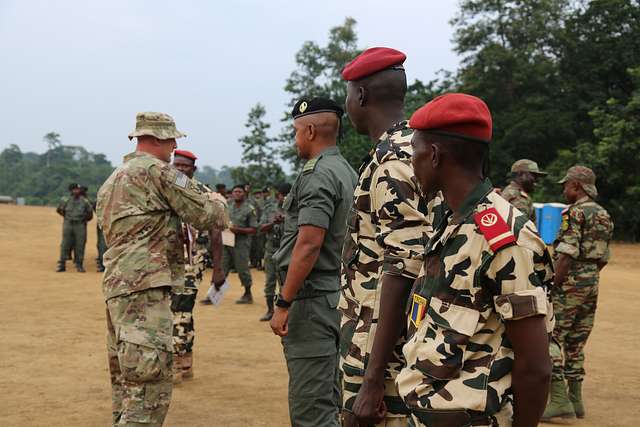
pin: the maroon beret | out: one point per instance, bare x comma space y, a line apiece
455, 114
371, 61
185, 153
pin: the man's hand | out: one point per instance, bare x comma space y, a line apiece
369, 407
279, 322
279, 219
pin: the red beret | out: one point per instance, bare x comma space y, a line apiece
455, 114
371, 61
185, 153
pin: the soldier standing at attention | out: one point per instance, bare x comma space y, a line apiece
581, 250
196, 245
306, 315
524, 175
382, 254
271, 226
257, 240
77, 211
477, 352
244, 224
139, 208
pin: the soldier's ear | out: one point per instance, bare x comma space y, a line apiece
311, 132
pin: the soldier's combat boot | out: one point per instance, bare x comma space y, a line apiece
61, 267
247, 298
559, 405
100, 268
80, 268
176, 369
187, 366
269, 314
575, 396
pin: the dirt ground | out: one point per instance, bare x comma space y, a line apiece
53, 366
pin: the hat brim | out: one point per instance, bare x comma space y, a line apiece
158, 133
563, 180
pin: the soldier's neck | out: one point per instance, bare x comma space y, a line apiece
381, 121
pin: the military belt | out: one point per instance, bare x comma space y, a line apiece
454, 418
308, 291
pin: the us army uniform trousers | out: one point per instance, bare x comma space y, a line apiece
74, 235
139, 349
311, 352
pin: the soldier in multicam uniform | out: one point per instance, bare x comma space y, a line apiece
524, 175
196, 245
76, 211
383, 248
480, 318
306, 315
271, 226
139, 208
581, 251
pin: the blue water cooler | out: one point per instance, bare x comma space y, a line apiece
549, 220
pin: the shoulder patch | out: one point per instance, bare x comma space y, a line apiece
494, 229
310, 165
181, 180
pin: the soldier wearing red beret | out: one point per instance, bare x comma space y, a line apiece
480, 317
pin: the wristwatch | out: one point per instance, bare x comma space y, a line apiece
281, 302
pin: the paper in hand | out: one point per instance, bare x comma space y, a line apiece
216, 295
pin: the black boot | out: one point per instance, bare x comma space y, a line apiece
247, 298
80, 268
269, 314
61, 267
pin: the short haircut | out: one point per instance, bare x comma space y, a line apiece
386, 86
467, 154
240, 186
220, 186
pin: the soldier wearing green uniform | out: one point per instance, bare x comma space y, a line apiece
244, 224
76, 211
306, 315
581, 251
139, 208
257, 240
271, 226
524, 175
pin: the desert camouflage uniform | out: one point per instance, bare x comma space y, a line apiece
519, 198
485, 264
386, 235
584, 236
139, 209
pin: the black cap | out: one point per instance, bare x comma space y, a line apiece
73, 186
304, 107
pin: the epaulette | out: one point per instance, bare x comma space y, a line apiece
310, 166
494, 228
525, 195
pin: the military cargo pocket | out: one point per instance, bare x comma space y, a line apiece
144, 355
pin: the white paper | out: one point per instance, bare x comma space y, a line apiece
228, 238
216, 295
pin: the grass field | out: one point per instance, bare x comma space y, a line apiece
53, 365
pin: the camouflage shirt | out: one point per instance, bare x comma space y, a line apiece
584, 236
139, 209
484, 265
519, 198
386, 235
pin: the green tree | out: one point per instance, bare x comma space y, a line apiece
260, 167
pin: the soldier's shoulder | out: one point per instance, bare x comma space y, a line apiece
394, 145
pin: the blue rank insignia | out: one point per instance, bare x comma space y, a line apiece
418, 309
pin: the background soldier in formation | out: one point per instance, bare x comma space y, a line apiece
139, 208
258, 200
244, 224
77, 211
581, 250
480, 318
524, 175
271, 226
382, 254
196, 246
309, 261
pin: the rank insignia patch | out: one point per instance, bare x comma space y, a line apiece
418, 309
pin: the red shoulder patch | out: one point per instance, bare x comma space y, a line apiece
494, 229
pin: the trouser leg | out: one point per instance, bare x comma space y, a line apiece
80, 241
241, 260
576, 337
67, 241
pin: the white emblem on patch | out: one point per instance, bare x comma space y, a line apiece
181, 180
489, 219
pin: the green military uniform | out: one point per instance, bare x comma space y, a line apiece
484, 265
321, 196
515, 194
76, 212
139, 209
258, 239
238, 256
584, 236
271, 209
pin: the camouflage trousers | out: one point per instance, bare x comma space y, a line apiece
504, 418
139, 350
575, 309
182, 303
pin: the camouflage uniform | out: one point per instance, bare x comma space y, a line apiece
139, 209
76, 212
239, 255
273, 237
584, 236
386, 227
515, 194
485, 264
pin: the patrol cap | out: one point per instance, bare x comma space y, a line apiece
457, 115
160, 125
305, 107
526, 165
583, 176
185, 153
373, 60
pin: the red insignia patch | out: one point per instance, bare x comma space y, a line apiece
494, 229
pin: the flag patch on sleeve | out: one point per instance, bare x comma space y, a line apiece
418, 309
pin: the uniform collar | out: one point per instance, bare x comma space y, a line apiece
469, 204
329, 151
584, 199
136, 154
